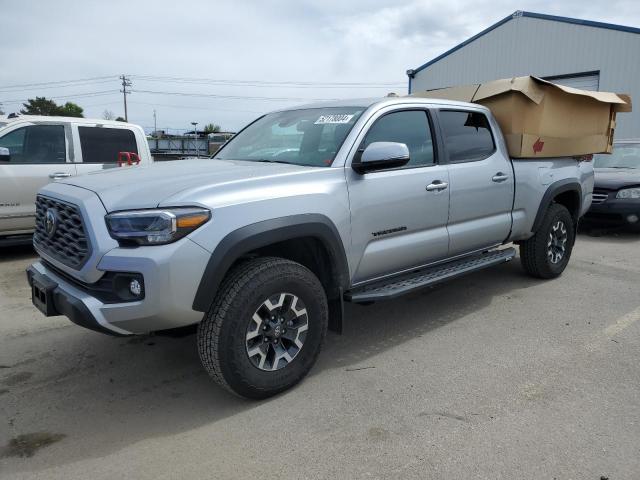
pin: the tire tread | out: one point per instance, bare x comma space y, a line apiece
533, 252
241, 277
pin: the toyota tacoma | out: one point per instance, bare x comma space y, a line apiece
305, 209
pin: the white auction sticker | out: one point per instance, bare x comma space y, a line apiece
339, 118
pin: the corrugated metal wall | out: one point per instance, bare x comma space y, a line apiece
532, 46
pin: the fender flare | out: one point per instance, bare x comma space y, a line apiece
262, 234
555, 189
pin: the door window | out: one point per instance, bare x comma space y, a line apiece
102, 145
410, 127
467, 136
36, 144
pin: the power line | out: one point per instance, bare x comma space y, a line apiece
44, 87
265, 82
187, 107
258, 85
232, 97
24, 85
79, 95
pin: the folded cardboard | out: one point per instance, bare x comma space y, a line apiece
542, 119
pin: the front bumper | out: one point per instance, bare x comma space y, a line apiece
64, 301
171, 275
614, 212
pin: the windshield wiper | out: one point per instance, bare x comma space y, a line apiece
266, 160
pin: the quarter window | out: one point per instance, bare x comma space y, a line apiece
410, 127
467, 135
102, 145
36, 144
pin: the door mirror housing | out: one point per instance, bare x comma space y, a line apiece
5, 154
382, 156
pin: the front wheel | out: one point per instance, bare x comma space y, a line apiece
547, 253
265, 329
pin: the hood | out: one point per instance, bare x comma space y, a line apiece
148, 185
616, 178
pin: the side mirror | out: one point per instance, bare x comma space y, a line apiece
382, 156
5, 154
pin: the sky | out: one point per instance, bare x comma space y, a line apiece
227, 62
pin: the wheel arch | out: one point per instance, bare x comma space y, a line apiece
567, 192
309, 239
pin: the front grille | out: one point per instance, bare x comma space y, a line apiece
599, 196
68, 243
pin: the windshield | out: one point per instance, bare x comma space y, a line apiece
309, 137
624, 155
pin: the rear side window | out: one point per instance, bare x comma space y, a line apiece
410, 127
467, 135
102, 145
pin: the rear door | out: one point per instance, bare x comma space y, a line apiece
481, 182
399, 216
100, 146
38, 155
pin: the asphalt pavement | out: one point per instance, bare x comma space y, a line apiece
494, 375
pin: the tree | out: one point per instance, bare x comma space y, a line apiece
120, 119
40, 106
211, 128
44, 106
108, 115
70, 109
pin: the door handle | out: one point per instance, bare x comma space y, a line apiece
437, 185
57, 175
500, 177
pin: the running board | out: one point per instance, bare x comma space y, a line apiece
394, 287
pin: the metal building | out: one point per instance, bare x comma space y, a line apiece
577, 53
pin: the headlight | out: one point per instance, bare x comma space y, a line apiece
155, 227
629, 193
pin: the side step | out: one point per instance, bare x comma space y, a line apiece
394, 287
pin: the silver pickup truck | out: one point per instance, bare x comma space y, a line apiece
306, 208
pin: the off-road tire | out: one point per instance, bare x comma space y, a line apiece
534, 254
222, 333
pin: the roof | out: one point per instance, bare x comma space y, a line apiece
520, 13
384, 101
381, 102
42, 118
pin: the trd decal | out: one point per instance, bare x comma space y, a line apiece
387, 232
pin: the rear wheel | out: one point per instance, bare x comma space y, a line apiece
547, 253
265, 329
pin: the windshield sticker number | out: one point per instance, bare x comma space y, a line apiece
329, 119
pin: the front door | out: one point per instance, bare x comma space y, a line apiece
38, 155
397, 222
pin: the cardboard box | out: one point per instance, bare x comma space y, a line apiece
541, 119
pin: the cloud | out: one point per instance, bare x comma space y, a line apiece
277, 40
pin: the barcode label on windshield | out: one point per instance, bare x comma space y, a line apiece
340, 118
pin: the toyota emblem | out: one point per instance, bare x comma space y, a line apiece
51, 222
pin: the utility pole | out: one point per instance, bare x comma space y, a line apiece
125, 83
155, 127
195, 128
